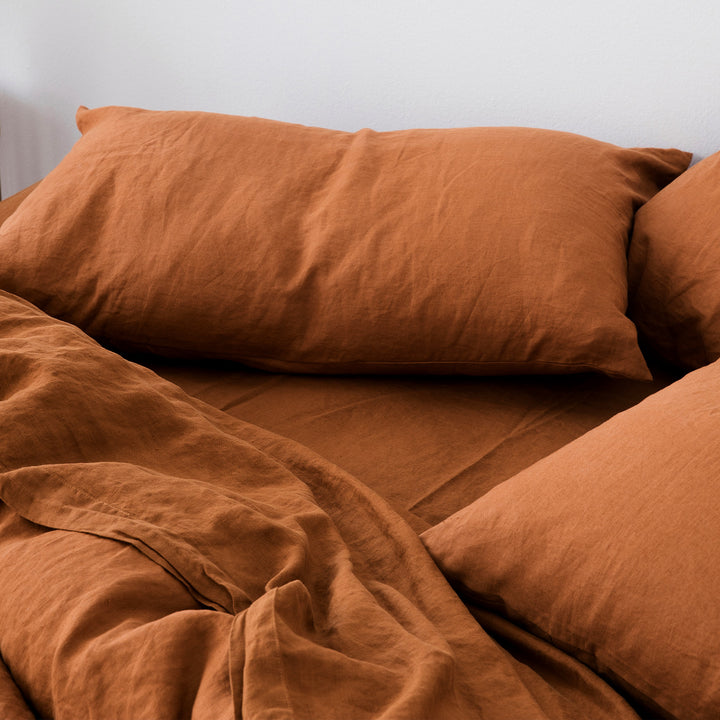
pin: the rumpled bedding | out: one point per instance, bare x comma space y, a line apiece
161, 559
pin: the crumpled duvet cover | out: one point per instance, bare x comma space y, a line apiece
160, 559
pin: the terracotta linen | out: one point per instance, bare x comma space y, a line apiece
674, 267
12, 703
161, 559
472, 250
9, 205
608, 547
428, 445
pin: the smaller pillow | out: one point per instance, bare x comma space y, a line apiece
609, 548
674, 267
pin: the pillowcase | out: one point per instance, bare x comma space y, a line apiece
476, 250
608, 548
674, 267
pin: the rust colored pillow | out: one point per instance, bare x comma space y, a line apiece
674, 267
609, 548
476, 250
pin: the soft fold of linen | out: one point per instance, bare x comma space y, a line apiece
609, 548
160, 559
12, 703
470, 250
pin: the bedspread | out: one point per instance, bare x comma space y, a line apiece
161, 559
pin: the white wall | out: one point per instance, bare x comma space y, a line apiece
634, 72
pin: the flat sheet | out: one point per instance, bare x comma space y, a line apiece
429, 446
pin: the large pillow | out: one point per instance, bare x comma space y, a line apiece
609, 548
675, 267
476, 250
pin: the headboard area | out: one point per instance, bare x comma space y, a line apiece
635, 74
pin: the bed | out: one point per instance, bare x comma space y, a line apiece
299, 423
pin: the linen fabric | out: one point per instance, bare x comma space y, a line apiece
472, 250
10, 204
608, 548
12, 703
160, 559
428, 445
674, 266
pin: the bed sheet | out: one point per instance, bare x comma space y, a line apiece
429, 446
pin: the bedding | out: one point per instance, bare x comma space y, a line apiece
609, 548
674, 267
159, 558
293, 248
196, 538
429, 446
